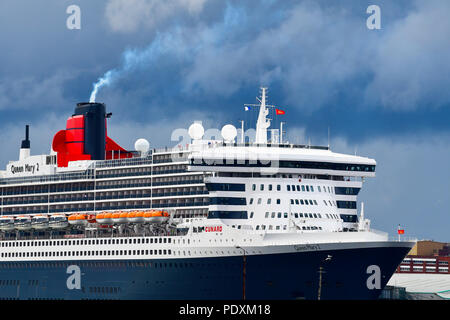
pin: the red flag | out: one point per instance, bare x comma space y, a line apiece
278, 111
400, 231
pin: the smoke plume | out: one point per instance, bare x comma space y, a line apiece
133, 59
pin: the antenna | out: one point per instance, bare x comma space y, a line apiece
328, 137
242, 131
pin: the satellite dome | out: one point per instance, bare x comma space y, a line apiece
196, 131
142, 145
229, 132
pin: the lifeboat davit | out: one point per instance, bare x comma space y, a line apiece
39, 222
22, 223
104, 218
91, 218
58, 221
78, 219
7, 223
160, 216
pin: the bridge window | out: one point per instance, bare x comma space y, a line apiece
227, 214
347, 191
346, 204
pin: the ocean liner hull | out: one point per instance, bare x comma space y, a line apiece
266, 276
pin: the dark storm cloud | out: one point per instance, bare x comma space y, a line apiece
316, 54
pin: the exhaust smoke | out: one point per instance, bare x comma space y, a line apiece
105, 80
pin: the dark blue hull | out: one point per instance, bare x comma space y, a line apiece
272, 276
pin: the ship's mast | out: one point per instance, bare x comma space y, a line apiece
263, 123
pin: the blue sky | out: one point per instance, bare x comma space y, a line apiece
383, 93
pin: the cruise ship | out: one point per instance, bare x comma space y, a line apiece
223, 218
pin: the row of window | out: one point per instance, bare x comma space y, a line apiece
126, 183
346, 204
83, 253
347, 191
39, 243
297, 202
113, 205
278, 227
293, 187
283, 164
229, 201
227, 215
225, 187
109, 264
106, 290
99, 196
141, 171
297, 215
352, 218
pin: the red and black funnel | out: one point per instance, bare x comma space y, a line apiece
85, 137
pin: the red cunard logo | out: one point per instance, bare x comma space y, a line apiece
213, 229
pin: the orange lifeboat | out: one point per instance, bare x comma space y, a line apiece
148, 216
81, 218
136, 217
115, 217
130, 216
139, 218
108, 218
77, 219
72, 219
104, 218
123, 217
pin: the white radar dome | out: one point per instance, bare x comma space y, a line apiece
142, 145
229, 132
196, 131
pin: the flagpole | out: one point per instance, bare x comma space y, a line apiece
242, 132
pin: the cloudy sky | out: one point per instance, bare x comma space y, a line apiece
383, 93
